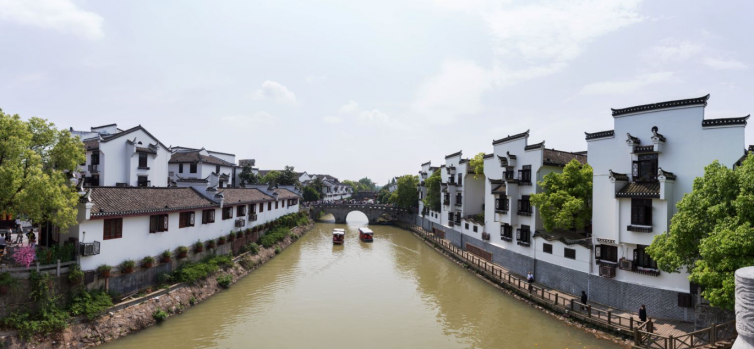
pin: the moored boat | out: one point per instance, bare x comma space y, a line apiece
366, 234
338, 236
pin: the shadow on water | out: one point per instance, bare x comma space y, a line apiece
393, 293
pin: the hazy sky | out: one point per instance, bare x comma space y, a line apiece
368, 88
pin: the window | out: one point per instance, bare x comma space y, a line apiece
460, 177
524, 175
95, 157
459, 199
569, 253
142, 181
158, 223
508, 173
113, 229
276, 205
180, 168
524, 206
606, 253
208, 216
282, 203
523, 236
642, 259
475, 229
192, 168
227, 213
94, 180
501, 204
253, 208
547, 248
217, 169
506, 232
641, 211
261, 207
467, 226
269, 206
240, 211
186, 219
645, 169
458, 217
143, 160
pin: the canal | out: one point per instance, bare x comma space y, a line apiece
394, 293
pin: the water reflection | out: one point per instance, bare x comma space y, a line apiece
393, 293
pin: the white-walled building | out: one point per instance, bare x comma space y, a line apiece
642, 168
218, 168
427, 212
115, 157
131, 223
462, 196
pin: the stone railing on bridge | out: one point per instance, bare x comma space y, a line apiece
341, 210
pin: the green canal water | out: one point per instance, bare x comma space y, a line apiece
396, 292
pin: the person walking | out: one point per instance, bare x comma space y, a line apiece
643, 313
530, 279
584, 299
19, 235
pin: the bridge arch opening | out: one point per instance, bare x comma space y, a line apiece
357, 217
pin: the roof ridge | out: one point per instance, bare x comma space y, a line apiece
661, 105
510, 138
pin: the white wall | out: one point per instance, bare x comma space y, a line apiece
119, 162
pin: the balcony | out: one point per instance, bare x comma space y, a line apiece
629, 265
524, 212
506, 238
89, 248
640, 228
501, 211
94, 168
142, 168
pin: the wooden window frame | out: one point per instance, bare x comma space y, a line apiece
253, 208
143, 160
112, 228
180, 168
227, 213
569, 253
269, 206
240, 210
192, 168
186, 219
208, 216
641, 212
95, 155
643, 259
607, 253
158, 223
145, 181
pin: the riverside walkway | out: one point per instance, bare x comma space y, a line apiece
658, 334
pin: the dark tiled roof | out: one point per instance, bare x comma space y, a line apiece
495, 181
454, 154
639, 190
601, 134
434, 168
488, 156
463, 161
666, 174
552, 157
618, 176
661, 105
91, 144
584, 152
633, 139
427, 163
145, 150
725, 122
286, 194
96, 127
510, 156
657, 135
503, 160
535, 146
130, 130
499, 189
126, 201
236, 196
195, 157
510, 138
192, 180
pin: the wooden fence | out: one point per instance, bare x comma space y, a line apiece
642, 332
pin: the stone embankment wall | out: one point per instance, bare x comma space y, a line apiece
134, 315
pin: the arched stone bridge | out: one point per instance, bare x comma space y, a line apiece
372, 211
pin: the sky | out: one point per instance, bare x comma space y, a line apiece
368, 88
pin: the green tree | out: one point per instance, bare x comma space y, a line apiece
270, 178
317, 184
247, 176
383, 195
565, 201
288, 177
712, 234
433, 185
477, 164
310, 193
36, 162
406, 195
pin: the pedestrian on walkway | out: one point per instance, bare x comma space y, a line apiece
530, 279
643, 313
584, 299
19, 235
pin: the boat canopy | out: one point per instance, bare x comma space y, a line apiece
339, 232
366, 231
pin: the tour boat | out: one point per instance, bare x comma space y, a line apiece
366, 234
338, 236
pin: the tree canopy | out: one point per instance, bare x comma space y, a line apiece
477, 164
565, 201
712, 234
310, 193
247, 176
433, 199
36, 162
270, 178
406, 195
364, 184
288, 177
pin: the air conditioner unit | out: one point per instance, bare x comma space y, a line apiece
607, 271
626, 264
240, 223
89, 249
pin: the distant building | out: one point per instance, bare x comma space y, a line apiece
216, 167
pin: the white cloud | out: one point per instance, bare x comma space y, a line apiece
332, 119
350, 107
456, 90
258, 118
725, 64
627, 86
274, 91
378, 117
60, 15
671, 50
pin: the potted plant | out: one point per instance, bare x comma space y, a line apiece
210, 243
7, 283
221, 241
182, 252
75, 275
127, 267
231, 236
166, 256
104, 270
198, 247
248, 232
147, 262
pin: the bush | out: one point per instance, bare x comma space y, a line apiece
147, 262
127, 266
50, 255
224, 280
198, 246
192, 300
104, 270
253, 248
8, 283
166, 256
48, 318
89, 303
192, 272
75, 275
160, 315
182, 250
210, 243
273, 236
247, 263
278, 250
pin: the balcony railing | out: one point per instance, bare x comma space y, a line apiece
639, 229
506, 238
89, 248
